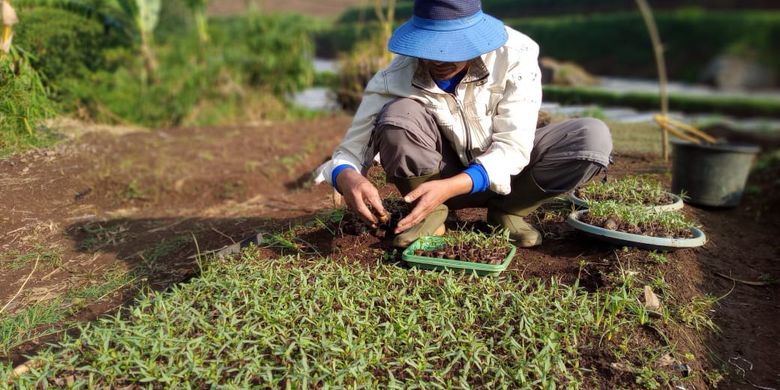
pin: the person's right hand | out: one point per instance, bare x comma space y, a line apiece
358, 192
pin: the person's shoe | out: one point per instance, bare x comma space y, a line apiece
432, 225
508, 211
520, 232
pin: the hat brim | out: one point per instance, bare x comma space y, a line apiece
450, 46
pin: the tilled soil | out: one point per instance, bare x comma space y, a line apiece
149, 201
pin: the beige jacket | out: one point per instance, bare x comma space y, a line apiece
491, 119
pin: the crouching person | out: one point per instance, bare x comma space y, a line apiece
453, 120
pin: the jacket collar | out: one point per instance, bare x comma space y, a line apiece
422, 79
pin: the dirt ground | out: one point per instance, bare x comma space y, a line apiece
147, 202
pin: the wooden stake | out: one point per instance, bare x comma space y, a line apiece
660, 62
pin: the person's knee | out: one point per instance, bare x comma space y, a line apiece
405, 114
407, 139
597, 137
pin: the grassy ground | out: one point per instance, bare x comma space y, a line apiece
297, 323
313, 319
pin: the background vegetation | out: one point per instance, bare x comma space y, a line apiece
692, 37
529, 8
107, 61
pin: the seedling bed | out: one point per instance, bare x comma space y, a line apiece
631, 190
469, 253
454, 253
637, 226
614, 222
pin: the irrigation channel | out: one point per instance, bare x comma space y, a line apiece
321, 99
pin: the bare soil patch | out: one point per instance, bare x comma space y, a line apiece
147, 202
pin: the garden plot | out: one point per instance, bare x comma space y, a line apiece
630, 190
99, 221
291, 322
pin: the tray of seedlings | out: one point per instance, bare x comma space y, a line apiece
635, 190
634, 225
469, 251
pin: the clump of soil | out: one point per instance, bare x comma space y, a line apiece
468, 252
614, 222
396, 209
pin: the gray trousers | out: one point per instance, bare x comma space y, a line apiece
564, 156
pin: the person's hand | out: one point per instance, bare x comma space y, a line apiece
430, 195
358, 192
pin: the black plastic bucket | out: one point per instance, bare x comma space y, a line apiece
711, 175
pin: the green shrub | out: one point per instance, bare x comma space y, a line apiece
356, 69
272, 52
123, 95
64, 45
23, 105
175, 21
618, 44
342, 38
196, 84
736, 106
529, 8
692, 38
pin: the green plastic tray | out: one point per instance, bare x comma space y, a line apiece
435, 263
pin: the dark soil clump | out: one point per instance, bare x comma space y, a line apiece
396, 209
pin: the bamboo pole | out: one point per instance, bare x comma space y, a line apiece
660, 62
699, 133
677, 133
386, 21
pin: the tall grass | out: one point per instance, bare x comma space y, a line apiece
23, 105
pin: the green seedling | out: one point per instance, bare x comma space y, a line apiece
47, 256
611, 215
498, 239
247, 320
642, 190
133, 191
47, 317
659, 258
100, 235
697, 313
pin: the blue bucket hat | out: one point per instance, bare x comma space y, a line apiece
449, 31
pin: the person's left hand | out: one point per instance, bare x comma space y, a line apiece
430, 195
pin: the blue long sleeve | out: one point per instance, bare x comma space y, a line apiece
336, 172
479, 178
